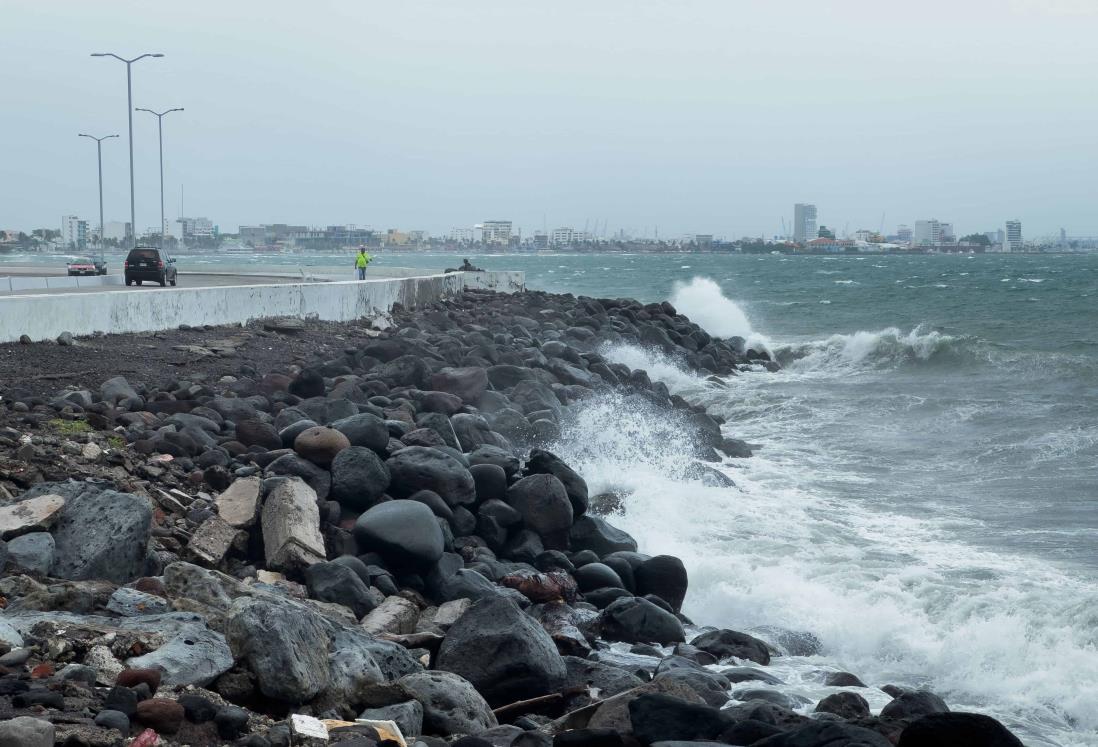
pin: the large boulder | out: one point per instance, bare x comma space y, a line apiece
846, 705
664, 576
405, 533
418, 468
913, 704
503, 652
468, 383
99, 534
546, 462
544, 505
285, 646
195, 656
451, 705
827, 734
637, 620
338, 583
366, 430
597, 535
258, 433
661, 718
728, 643
320, 445
359, 478
969, 729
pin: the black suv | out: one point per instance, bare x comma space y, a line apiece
149, 263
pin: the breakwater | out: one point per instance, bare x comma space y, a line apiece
384, 532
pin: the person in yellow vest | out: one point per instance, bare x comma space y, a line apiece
361, 261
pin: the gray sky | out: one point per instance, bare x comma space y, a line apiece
696, 115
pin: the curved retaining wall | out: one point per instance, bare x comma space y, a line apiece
44, 317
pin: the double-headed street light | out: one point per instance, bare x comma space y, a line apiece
99, 150
160, 127
129, 114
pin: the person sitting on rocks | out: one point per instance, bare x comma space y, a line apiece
466, 267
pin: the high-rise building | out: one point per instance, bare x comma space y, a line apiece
117, 230
903, 233
945, 233
74, 233
927, 232
463, 235
196, 227
496, 232
1014, 235
804, 222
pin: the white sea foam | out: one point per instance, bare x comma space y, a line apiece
882, 347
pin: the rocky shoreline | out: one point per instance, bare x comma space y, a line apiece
334, 534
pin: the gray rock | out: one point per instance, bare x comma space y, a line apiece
100, 533
418, 468
111, 719
359, 478
36, 514
338, 583
451, 705
132, 603
352, 670
546, 462
913, 704
597, 535
117, 390
25, 731
194, 656
286, 647
468, 383
637, 620
710, 686
607, 679
404, 532
396, 616
727, 643
503, 652
34, 552
543, 503
366, 430
407, 715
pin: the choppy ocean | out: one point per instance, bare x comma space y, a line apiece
925, 495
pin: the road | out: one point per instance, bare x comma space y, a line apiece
185, 280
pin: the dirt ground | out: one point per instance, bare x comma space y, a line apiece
45, 368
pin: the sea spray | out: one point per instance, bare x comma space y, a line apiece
702, 300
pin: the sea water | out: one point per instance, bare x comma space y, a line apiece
924, 498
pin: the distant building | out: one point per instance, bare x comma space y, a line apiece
74, 233
265, 235
418, 237
496, 232
541, 239
996, 238
804, 222
117, 230
903, 233
927, 232
566, 236
199, 228
703, 240
462, 235
945, 233
1014, 235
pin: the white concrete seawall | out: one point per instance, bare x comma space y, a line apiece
44, 317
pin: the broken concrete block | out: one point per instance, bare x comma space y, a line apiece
212, 540
239, 504
32, 515
291, 526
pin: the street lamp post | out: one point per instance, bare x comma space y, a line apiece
160, 129
129, 114
99, 152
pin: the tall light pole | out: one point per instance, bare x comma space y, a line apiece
99, 151
160, 129
129, 114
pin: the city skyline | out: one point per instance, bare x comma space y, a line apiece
408, 117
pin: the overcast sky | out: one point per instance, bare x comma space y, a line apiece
699, 116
